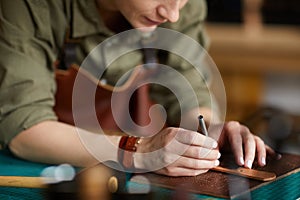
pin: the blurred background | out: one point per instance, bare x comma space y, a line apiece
256, 46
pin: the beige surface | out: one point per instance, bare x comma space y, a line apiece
245, 54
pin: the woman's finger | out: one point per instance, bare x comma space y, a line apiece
233, 132
249, 146
272, 153
180, 171
195, 138
261, 151
197, 152
197, 164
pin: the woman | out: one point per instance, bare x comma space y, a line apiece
32, 36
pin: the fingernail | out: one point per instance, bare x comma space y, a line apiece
219, 155
242, 161
263, 160
214, 145
217, 162
249, 164
278, 156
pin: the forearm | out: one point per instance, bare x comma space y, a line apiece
55, 143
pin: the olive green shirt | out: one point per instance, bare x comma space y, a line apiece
32, 34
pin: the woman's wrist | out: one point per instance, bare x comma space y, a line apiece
127, 148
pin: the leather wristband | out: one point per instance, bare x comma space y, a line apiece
127, 147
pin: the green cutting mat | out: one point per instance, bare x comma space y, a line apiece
12, 166
287, 188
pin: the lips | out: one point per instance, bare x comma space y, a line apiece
151, 22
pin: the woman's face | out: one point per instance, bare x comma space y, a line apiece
148, 14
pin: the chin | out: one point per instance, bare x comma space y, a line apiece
147, 29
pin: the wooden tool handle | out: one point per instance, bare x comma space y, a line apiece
22, 181
248, 173
41, 182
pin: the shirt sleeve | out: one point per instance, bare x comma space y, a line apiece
191, 23
27, 84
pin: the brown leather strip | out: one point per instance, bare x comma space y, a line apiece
249, 173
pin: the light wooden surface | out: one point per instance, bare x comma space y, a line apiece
245, 54
255, 50
22, 181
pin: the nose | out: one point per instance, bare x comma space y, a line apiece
169, 10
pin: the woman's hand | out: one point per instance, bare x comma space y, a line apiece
245, 146
177, 152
